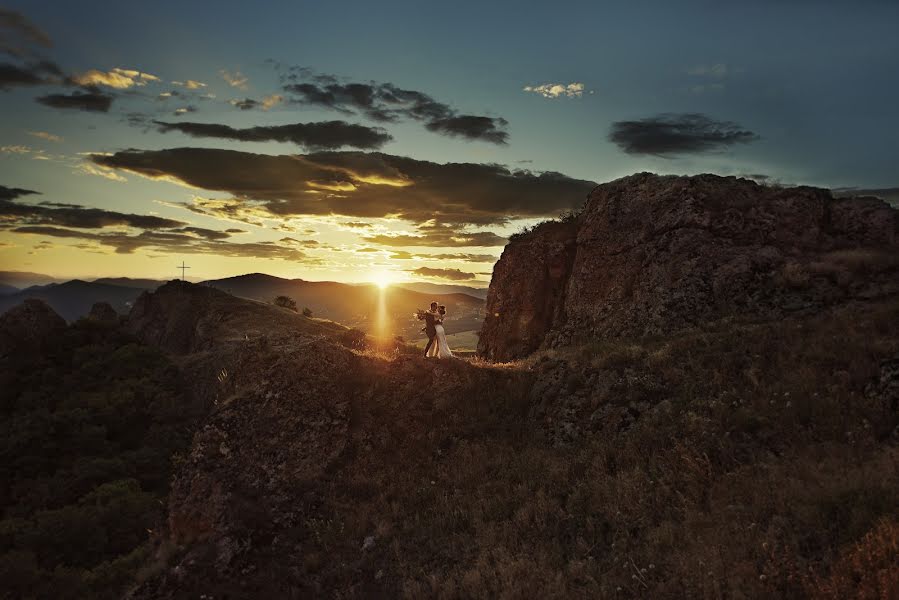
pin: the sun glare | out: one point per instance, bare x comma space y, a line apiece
383, 279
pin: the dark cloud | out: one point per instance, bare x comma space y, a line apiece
90, 225
91, 100
670, 134
451, 274
70, 215
471, 127
246, 104
323, 135
304, 243
7, 193
18, 34
30, 74
173, 241
386, 102
357, 225
357, 184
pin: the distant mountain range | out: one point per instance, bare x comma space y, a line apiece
73, 299
352, 305
358, 305
439, 289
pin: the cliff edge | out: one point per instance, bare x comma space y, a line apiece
654, 254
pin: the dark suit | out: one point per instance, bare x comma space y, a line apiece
430, 330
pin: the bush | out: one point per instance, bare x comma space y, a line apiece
307, 312
285, 302
86, 434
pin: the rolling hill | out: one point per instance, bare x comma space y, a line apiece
73, 299
357, 305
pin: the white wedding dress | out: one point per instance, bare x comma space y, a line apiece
441, 349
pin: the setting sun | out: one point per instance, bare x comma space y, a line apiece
383, 279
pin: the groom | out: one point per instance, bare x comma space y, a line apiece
430, 328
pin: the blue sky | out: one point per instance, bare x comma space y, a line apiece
812, 86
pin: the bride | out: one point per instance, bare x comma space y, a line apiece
441, 349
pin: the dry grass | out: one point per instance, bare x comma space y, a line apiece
763, 469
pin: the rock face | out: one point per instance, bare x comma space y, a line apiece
653, 254
103, 312
30, 326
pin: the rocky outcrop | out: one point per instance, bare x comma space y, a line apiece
535, 275
103, 312
654, 254
28, 327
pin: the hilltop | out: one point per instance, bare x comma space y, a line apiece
652, 255
643, 454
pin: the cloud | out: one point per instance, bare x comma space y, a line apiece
245, 104
557, 90
271, 101
70, 215
716, 71
385, 102
488, 129
7, 193
91, 101
120, 79
265, 104
184, 110
461, 257
669, 134
18, 34
451, 274
29, 74
358, 184
104, 227
439, 236
190, 84
235, 79
177, 241
106, 173
45, 136
317, 136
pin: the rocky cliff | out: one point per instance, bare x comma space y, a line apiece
654, 254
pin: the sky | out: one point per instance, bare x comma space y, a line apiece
404, 141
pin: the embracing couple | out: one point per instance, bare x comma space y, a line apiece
433, 319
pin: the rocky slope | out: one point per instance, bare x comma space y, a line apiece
760, 450
654, 254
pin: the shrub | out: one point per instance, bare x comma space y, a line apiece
307, 312
285, 302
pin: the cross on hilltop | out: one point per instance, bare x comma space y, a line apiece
182, 267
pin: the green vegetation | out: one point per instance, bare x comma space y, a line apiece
87, 437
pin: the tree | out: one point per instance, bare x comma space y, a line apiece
286, 302
307, 312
